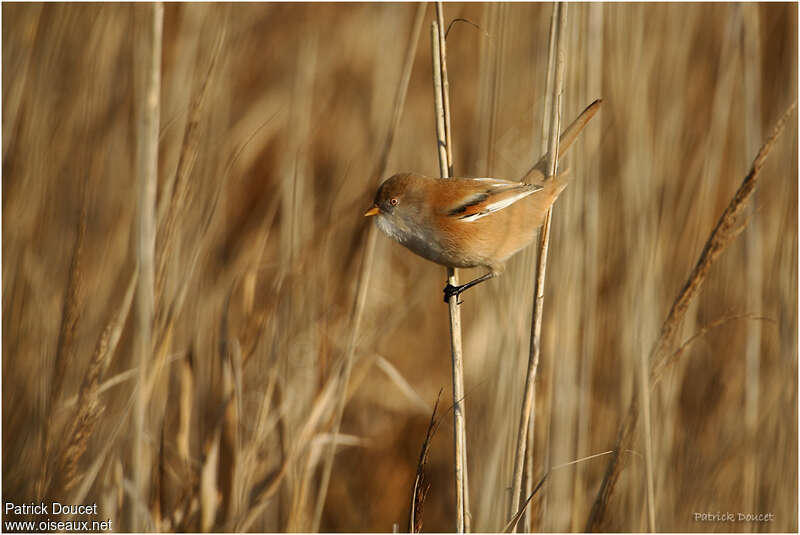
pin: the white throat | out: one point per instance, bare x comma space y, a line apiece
389, 228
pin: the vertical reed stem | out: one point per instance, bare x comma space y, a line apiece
545, 143
544, 244
442, 108
147, 178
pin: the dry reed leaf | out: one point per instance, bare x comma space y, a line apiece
105, 385
421, 486
185, 404
229, 453
400, 382
157, 506
511, 526
209, 492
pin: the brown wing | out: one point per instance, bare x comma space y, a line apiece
487, 195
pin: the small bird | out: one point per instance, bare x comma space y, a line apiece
470, 222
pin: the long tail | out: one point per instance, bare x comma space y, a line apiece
538, 172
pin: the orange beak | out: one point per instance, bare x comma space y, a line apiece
372, 211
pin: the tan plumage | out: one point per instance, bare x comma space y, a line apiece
463, 222
470, 222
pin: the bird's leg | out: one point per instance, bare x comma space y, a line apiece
451, 290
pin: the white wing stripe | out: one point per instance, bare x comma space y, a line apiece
497, 182
499, 205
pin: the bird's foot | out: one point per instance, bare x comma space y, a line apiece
450, 291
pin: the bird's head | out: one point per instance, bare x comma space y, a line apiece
392, 197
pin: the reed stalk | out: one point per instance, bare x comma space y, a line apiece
421, 484
444, 143
560, 18
147, 183
544, 140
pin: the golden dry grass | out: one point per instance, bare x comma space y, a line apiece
273, 119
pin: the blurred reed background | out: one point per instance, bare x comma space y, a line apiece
272, 120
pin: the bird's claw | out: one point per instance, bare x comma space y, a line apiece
450, 291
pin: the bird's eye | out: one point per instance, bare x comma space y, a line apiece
393, 201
